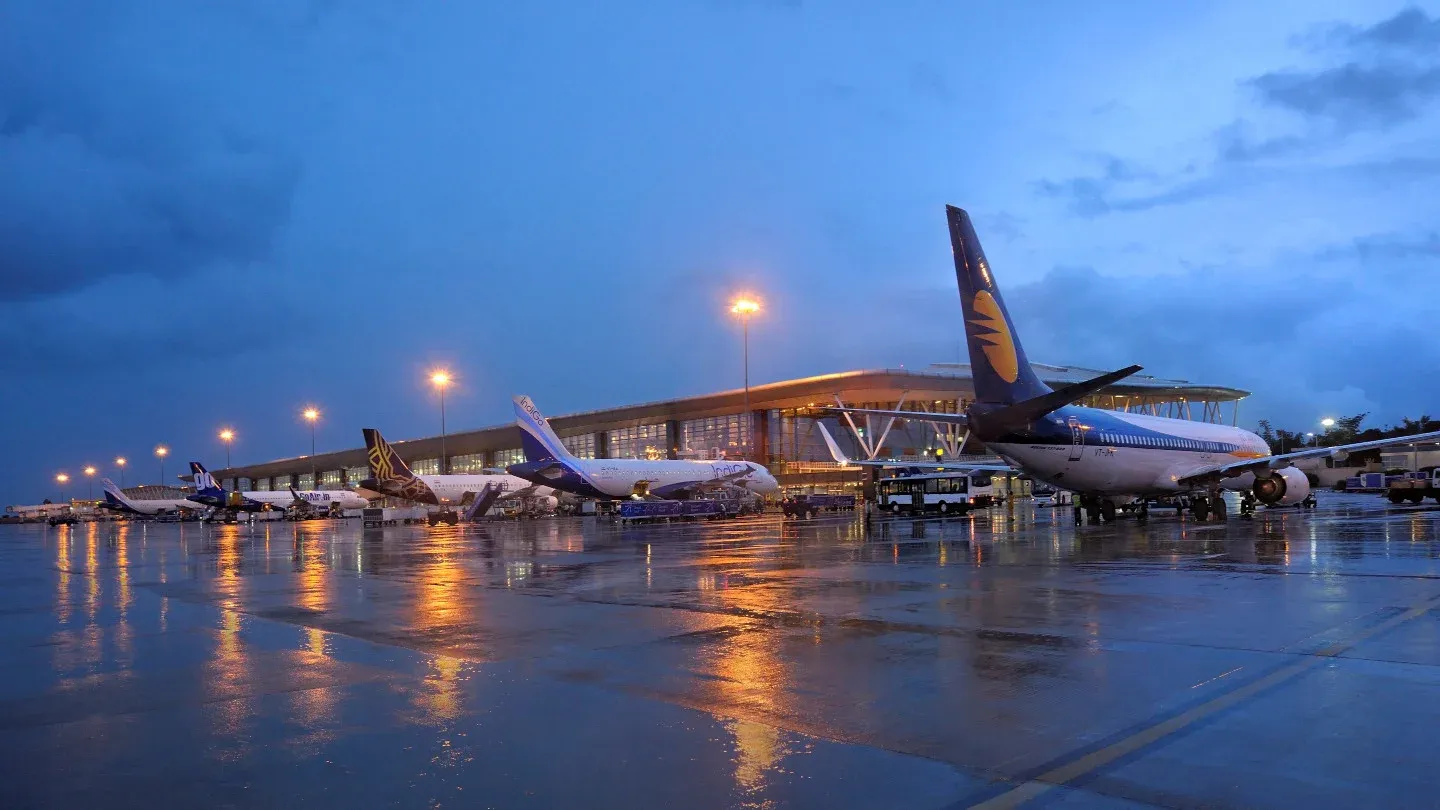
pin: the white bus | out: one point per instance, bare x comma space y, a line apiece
946, 492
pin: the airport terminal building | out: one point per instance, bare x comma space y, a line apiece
779, 428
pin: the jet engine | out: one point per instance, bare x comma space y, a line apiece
547, 503
1285, 487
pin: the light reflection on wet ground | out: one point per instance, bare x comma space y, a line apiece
1004, 658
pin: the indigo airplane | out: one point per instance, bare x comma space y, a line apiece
1107, 457
118, 501
389, 475
209, 493
548, 462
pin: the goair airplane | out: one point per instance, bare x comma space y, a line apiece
390, 476
1106, 457
118, 501
209, 493
548, 462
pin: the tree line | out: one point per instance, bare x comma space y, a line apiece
1346, 430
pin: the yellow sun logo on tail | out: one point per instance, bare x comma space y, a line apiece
998, 346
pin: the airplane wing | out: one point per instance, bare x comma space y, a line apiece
840, 457
1210, 475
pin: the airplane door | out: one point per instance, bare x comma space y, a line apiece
1077, 439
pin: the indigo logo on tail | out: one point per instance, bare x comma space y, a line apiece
998, 345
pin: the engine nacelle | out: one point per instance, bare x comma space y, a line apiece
547, 502
1285, 487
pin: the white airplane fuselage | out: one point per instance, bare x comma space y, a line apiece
626, 477
452, 488
1102, 452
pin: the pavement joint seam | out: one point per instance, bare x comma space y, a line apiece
1092, 760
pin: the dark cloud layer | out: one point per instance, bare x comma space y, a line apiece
107, 169
1391, 72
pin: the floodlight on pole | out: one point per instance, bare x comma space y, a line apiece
161, 451
745, 307
120, 462
90, 481
312, 415
440, 378
227, 436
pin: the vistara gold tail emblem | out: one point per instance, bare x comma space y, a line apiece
380, 464
997, 344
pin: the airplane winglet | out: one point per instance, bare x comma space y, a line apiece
835, 451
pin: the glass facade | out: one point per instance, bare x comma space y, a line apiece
330, 479
242, 484
642, 441
281, 482
713, 437
354, 475
425, 466
262, 484
583, 446
471, 463
504, 458
794, 437
307, 481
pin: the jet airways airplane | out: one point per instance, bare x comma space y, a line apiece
118, 501
209, 493
1106, 457
389, 475
547, 461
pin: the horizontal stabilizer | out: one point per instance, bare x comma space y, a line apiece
1008, 417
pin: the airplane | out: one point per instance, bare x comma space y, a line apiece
1108, 458
389, 475
548, 462
117, 501
845, 461
209, 493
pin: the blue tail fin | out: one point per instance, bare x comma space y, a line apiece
537, 439
1002, 373
205, 483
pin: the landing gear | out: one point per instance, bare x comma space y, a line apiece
1200, 508
1107, 511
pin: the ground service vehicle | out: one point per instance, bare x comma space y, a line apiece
1414, 487
946, 493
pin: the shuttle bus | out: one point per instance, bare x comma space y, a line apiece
944, 492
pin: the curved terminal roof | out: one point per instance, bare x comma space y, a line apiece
941, 381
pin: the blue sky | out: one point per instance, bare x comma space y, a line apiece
214, 214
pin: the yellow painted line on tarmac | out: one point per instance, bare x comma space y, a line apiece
1063, 774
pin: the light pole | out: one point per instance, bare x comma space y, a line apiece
90, 481
440, 378
312, 415
62, 479
161, 451
120, 462
227, 436
745, 307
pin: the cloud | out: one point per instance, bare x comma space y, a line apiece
929, 82
108, 168
1390, 75
1411, 29
1353, 95
1303, 341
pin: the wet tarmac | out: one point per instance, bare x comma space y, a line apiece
995, 660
